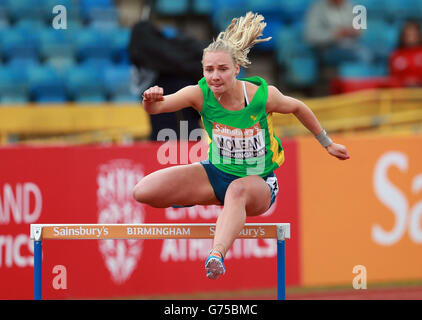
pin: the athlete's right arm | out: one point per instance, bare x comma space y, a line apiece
154, 100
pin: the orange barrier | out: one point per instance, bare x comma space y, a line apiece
364, 211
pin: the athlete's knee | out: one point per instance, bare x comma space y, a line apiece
236, 190
141, 192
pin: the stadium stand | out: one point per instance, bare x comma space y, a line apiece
13, 86
56, 65
87, 64
202, 7
172, 8
46, 84
95, 32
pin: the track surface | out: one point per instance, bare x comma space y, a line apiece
410, 292
403, 293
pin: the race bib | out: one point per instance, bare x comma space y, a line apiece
239, 143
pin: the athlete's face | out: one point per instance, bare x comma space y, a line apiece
219, 71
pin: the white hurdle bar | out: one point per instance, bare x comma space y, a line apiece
40, 232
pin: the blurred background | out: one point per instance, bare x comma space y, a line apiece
104, 53
72, 73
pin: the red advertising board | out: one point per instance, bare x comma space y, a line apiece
93, 184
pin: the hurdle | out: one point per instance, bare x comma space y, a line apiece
40, 232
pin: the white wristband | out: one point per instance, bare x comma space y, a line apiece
324, 139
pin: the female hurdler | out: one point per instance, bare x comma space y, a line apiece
244, 150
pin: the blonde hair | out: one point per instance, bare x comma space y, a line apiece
239, 37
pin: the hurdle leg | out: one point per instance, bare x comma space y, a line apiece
37, 270
281, 270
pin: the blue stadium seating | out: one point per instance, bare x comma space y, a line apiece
271, 9
73, 11
355, 70
272, 29
25, 10
117, 82
289, 43
380, 38
293, 11
97, 65
296, 56
94, 43
202, 7
235, 4
3, 30
103, 17
46, 84
402, 9
4, 17
89, 61
222, 18
16, 43
302, 71
86, 6
13, 84
120, 45
56, 44
380, 69
374, 8
29, 26
84, 83
171, 7
224, 11
288, 11
22, 63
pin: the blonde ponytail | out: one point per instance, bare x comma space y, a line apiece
239, 37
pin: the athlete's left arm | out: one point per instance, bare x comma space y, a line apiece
277, 102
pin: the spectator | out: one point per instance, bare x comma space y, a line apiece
171, 60
406, 60
329, 29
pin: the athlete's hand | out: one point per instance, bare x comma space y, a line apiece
153, 94
339, 151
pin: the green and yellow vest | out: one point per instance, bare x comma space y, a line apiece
242, 142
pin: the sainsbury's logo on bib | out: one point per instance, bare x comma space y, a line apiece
238, 143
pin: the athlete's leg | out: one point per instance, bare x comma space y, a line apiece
249, 196
177, 185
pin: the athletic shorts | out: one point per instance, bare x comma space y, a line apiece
220, 181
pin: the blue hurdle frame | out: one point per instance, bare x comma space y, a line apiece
37, 270
281, 270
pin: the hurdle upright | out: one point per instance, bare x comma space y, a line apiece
40, 232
